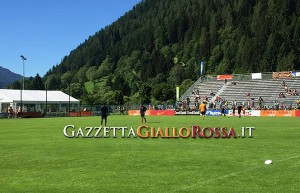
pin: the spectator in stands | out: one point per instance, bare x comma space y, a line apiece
286, 88
294, 92
196, 99
211, 93
188, 101
277, 105
283, 83
211, 105
248, 97
179, 104
281, 106
196, 105
281, 95
260, 100
252, 103
234, 103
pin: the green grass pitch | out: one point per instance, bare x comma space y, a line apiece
35, 156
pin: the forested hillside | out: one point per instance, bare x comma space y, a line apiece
159, 43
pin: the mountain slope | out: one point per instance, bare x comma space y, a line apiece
7, 77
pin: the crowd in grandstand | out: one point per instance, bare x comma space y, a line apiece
249, 103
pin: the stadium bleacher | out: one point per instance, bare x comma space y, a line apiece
236, 90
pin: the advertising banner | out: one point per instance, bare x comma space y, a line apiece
295, 74
277, 113
153, 112
253, 113
80, 114
180, 112
297, 113
213, 113
287, 74
208, 113
226, 76
256, 75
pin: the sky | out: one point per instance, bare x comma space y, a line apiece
44, 31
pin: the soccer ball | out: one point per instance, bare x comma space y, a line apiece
268, 162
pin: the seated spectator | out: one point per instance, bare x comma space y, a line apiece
283, 83
286, 89
188, 101
281, 95
252, 103
211, 93
248, 96
298, 103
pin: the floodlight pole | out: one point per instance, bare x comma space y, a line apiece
46, 99
23, 58
69, 99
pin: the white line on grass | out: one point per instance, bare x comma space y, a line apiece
232, 174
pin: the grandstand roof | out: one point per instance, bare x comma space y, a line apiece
28, 96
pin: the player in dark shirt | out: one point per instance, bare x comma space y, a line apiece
223, 111
104, 114
143, 110
239, 110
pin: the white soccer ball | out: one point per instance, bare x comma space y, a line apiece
268, 161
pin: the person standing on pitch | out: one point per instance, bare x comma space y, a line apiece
239, 110
104, 113
223, 111
143, 110
203, 109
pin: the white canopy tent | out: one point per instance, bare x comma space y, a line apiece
10, 97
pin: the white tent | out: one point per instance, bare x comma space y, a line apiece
13, 98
